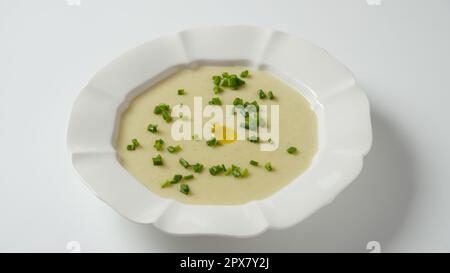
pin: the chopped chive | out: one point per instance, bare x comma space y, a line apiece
292, 150
197, 167
215, 170
238, 101
157, 160
217, 89
159, 144
215, 101
253, 139
166, 184
135, 142
261, 94
225, 75
188, 177
254, 163
268, 166
245, 74
152, 128
216, 80
166, 116
160, 108
234, 82
236, 171
227, 172
212, 142
184, 163
176, 178
225, 82
244, 173
181, 92
270, 95
184, 189
173, 149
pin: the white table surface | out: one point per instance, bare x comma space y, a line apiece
399, 51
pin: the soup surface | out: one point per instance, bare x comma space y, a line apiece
245, 182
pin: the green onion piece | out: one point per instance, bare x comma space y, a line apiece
215, 170
217, 89
131, 147
197, 167
184, 189
261, 94
244, 173
238, 101
254, 163
160, 108
225, 82
270, 95
292, 150
184, 163
212, 142
215, 101
176, 178
270, 140
157, 160
268, 166
227, 172
166, 184
152, 128
245, 74
188, 177
135, 142
225, 75
166, 116
173, 149
236, 171
181, 92
216, 80
253, 139
159, 144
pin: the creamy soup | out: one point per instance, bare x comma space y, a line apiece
257, 175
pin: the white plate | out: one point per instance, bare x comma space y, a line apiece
345, 134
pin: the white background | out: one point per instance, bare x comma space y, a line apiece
398, 51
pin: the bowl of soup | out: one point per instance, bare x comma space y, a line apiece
221, 130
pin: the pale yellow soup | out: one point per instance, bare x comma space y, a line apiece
297, 127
